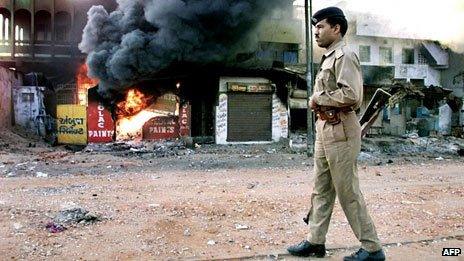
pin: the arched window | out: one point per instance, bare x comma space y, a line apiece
43, 26
5, 18
62, 26
22, 26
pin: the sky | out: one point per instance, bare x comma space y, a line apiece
435, 20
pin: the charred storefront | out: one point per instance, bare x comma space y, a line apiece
209, 104
139, 115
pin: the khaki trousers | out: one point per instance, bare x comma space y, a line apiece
335, 155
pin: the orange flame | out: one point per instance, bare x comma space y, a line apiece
135, 102
132, 116
137, 109
84, 83
129, 128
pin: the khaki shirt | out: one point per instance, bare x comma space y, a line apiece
339, 80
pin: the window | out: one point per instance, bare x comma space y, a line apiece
43, 25
291, 57
4, 26
364, 53
62, 27
421, 59
22, 26
408, 56
281, 52
386, 55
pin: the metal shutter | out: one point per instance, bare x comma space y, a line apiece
249, 117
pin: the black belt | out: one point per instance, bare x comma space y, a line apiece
336, 109
331, 114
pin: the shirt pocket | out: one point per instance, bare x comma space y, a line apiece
326, 78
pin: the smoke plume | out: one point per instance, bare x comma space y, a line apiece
143, 37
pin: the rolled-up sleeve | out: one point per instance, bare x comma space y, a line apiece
348, 78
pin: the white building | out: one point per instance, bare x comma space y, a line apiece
418, 60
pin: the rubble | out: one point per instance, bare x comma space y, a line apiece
41, 174
75, 216
376, 148
157, 149
55, 228
71, 217
461, 152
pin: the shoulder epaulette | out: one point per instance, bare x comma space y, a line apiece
339, 53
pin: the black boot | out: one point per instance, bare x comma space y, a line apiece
307, 249
362, 255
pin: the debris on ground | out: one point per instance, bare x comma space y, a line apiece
75, 215
241, 199
71, 216
53, 227
157, 149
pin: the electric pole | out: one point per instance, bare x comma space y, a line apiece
309, 76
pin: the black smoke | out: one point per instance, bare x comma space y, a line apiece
143, 37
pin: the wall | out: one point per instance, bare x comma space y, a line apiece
280, 31
28, 101
279, 112
397, 124
448, 76
221, 120
8, 79
279, 119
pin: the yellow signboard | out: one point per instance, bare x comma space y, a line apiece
72, 124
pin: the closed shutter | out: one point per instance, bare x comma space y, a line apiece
249, 117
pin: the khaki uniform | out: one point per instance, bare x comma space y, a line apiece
339, 84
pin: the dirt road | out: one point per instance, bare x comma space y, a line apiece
216, 204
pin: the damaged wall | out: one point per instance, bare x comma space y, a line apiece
28, 105
379, 45
8, 79
453, 77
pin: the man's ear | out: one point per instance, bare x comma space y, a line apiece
336, 29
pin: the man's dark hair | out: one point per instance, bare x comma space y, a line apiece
340, 21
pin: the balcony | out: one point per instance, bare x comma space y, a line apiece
42, 49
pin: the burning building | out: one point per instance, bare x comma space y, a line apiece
202, 68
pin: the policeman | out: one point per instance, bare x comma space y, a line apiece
338, 92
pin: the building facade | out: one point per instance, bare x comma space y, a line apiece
43, 35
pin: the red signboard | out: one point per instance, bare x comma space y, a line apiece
184, 120
161, 128
100, 124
